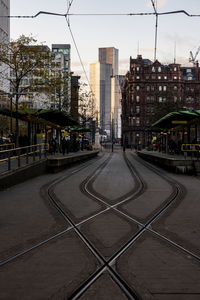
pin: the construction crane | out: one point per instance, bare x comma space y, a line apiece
192, 58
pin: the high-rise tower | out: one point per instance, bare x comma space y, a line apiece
110, 55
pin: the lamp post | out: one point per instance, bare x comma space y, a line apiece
11, 113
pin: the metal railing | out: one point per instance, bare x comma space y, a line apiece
7, 146
190, 147
17, 157
192, 150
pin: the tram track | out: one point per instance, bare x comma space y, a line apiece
46, 187
104, 266
177, 193
109, 265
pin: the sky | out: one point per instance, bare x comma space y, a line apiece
132, 35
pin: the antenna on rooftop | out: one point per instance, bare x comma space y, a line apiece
138, 48
175, 52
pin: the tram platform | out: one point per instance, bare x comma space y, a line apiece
182, 163
50, 164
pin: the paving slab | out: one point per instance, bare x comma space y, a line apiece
109, 231
155, 194
181, 222
53, 271
27, 217
69, 194
104, 288
115, 180
153, 267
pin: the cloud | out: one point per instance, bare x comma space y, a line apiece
160, 3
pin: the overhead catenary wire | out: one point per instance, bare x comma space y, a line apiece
75, 44
77, 50
103, 14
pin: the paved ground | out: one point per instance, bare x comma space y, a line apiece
103, 247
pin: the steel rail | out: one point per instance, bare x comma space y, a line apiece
107, 265
10, 259
123, 285
176, 192
180, 189
130, 293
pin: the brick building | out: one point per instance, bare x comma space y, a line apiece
147, 85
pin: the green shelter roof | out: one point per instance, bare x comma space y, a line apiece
49, 117
177, 118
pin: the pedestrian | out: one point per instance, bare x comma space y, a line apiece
63, 145
54, 146
67, 144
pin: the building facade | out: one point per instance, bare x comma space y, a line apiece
4, 38
148, 86
65, 51
105, 88
116, 83
100, 74
110, 55
75, 97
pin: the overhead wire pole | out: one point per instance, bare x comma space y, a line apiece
156, 27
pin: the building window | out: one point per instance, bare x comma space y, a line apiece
175, 88
175, 77
137, 99
160, 99
189, 99
160, 88
148, 88
152, 98
131, 121
147, 76
137, 109
189, 78
137, 88
153, 69
137, 69
153, 77
175, 68
164, 88
165, 77
137, 121
137, 77
159, 69
152, 88
175, 99
159, 77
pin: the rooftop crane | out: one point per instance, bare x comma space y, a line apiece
192, 58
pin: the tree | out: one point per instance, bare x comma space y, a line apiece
56, 83
86, 104
29, 68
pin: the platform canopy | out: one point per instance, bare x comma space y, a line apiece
58, 117
49, 117
80, 129
177, 118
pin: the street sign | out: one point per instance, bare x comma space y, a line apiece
179, 122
